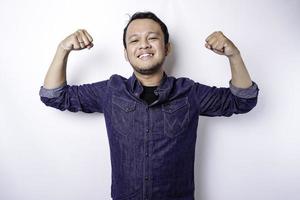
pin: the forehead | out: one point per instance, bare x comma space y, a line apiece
142, 26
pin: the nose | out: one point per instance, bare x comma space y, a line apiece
144, 44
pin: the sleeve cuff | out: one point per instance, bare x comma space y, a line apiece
51, 93
246, 93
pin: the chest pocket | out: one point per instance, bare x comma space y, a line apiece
176, 116
123, 115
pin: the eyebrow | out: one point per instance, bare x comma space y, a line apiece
151, 32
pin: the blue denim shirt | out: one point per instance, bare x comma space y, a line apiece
152, 147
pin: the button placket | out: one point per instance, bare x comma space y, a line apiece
146, 175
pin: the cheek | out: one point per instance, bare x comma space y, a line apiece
160, 47
131, 51
130, 54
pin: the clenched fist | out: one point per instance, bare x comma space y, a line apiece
81, 39
220, 44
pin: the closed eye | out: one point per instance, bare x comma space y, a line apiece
133, 41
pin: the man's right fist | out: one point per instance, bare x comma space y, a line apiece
81, 39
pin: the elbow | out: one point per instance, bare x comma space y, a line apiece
245, 105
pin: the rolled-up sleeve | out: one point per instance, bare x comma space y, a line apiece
247, 93
214, 101
87, 98
51, 93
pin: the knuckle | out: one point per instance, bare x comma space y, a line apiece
73, 37
77, 33
219, 34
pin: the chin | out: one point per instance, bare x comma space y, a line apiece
148, 70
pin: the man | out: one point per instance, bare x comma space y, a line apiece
151, 118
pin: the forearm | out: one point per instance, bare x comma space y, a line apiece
239, 74
221, 45
56, 75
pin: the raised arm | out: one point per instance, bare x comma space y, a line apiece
220, 44
242, 94
56, 75
58, 94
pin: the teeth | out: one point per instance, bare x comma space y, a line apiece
146, 55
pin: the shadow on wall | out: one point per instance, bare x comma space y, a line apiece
170, 62
89, 65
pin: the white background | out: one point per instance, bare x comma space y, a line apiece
52, 155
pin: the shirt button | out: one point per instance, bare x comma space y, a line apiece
147, 130
146, 178
147, 155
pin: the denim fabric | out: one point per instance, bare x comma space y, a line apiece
152, 147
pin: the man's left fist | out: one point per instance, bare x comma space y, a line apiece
220, 44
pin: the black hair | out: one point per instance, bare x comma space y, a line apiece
147, 15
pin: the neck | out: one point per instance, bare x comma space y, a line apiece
150, 79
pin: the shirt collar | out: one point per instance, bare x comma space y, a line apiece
162, 90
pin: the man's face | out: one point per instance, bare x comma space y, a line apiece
146, 49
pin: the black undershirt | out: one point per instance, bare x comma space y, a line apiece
148, 94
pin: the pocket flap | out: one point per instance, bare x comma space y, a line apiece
124, 104
175, 105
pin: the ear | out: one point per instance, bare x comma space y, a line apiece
168, 48
125, 55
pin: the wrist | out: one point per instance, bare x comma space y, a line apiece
61, 47
235, 56
62, 50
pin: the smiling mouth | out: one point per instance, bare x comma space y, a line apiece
145, 56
